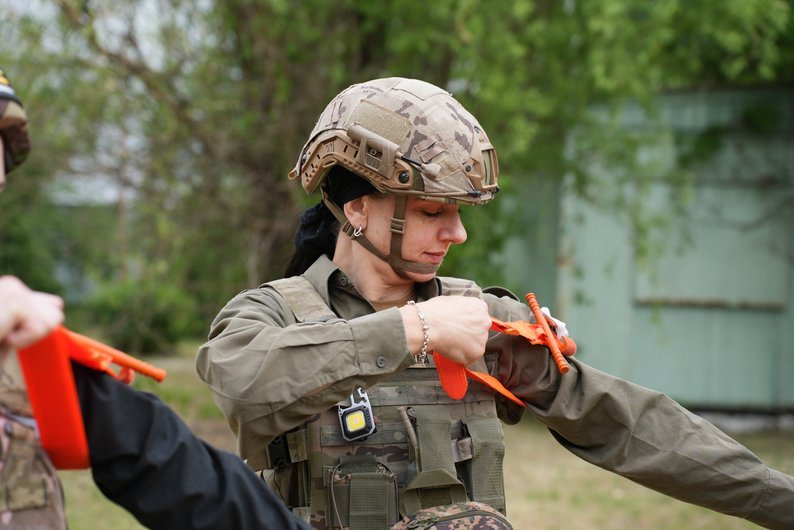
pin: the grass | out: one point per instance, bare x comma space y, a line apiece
547, 487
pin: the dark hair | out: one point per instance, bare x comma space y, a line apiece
318, 228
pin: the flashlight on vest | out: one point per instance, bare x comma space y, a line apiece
356, 419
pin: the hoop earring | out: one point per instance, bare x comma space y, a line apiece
358, 232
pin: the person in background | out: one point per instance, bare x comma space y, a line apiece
30, 492
143, 456
327, 376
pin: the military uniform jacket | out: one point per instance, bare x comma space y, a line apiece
271, 374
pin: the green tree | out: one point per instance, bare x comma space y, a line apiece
196, 111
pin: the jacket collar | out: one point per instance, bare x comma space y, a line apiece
326, 276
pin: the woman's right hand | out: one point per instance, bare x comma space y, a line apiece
458, 327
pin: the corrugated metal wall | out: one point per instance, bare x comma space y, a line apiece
712, 326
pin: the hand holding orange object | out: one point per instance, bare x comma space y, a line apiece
535, 334
454, 376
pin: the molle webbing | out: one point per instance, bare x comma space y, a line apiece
486, 463
436, 484
460, 452
434, 430
360, 505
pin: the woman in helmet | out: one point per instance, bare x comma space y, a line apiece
325, 378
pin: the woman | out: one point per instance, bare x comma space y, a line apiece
325, 378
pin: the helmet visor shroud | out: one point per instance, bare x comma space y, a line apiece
407, 138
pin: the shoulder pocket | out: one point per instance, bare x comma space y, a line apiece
23, 484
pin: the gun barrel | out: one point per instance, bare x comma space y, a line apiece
118, 357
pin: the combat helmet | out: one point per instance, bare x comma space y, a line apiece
407, 138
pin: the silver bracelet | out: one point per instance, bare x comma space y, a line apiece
422, 357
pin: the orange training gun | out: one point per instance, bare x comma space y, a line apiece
454, 376
53, 394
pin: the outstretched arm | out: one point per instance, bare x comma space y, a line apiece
639, 433
144, 458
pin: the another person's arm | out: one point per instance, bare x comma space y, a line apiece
145, 459
26, 315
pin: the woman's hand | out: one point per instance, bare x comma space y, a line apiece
458, 327
26, 316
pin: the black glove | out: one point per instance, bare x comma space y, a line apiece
13, 125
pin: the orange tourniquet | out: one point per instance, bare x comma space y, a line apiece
454, 376
53, 395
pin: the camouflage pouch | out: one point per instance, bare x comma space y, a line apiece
21, 486
458, 516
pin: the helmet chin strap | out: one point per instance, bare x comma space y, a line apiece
394, 258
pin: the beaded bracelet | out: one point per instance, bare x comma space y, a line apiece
422, 357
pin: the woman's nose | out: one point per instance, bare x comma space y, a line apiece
454, 231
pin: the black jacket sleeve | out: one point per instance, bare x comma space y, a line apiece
146, 459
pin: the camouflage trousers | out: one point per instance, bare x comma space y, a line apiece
31, 497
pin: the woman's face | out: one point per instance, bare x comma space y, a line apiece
431, 228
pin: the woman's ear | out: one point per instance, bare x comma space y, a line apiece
356, 212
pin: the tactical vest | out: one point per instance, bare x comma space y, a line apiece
428, 449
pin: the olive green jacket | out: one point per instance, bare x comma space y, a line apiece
270, 374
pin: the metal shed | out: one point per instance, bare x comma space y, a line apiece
712, 324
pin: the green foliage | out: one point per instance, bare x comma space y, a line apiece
144, 317
28, 233
195, 113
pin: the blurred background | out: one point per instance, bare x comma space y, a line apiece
646, 153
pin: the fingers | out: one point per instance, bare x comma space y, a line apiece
26, 316
459, 326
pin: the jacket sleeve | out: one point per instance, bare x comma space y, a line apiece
270, 374
144, 458
641, 434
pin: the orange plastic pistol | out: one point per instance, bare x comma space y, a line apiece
53, 394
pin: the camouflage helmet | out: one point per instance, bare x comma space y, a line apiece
406, 137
